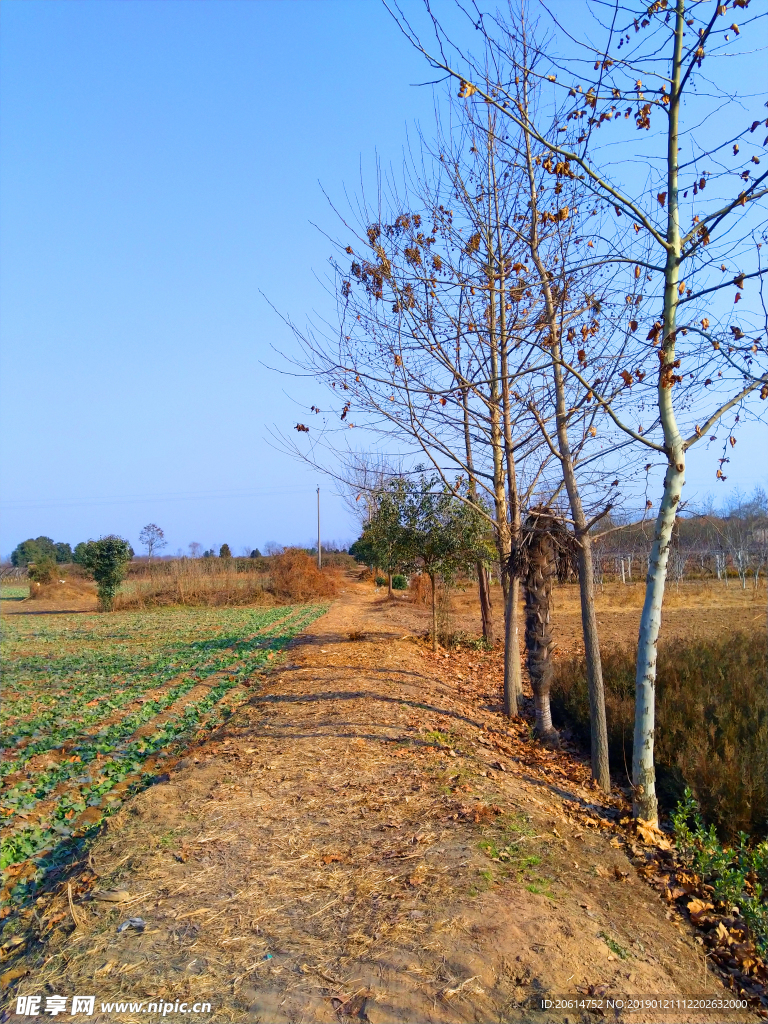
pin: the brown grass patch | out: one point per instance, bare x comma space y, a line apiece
65, 590
712, 726
294, 576
209, 582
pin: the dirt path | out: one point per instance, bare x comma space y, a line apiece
366, 840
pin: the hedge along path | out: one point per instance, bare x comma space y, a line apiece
366, 839
48, 808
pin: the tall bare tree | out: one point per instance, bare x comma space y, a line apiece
693, 227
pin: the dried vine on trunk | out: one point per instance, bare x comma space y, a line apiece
546, 552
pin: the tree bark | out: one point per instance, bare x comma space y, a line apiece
599, 729
434, 612
538, 634
389, 585
484, 589
486, 609
645, 804
598, 726
513, 683
497, 325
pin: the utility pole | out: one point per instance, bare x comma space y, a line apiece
319, 548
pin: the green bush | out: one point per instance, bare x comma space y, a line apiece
381, 581
44, 571
399, 582
738, 874
711, 718
107, 560
224, 551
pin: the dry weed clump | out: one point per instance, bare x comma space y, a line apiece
208, 582
712, 722
420, 589
61, 590
294, 576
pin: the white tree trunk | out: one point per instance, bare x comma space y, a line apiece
645, 804
643, 772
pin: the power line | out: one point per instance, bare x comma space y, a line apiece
20, 504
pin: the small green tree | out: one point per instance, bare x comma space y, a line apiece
79, 556
384, 534
224, 551
362, 550
107, 559
442, 534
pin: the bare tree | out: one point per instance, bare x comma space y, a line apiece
688, 249
424, 347
153, 539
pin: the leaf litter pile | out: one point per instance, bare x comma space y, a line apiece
366, 839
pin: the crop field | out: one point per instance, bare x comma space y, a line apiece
93, 705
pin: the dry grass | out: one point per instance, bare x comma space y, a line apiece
692, 594
65, 590
199, 582
294, 576
712, 726
290, 577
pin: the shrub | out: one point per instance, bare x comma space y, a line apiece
44, 571
107, 559
738, 874
381, 581
399, 582
712, 727
294, 576
224, 551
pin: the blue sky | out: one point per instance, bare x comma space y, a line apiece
161, 167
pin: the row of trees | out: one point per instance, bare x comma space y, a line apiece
40, 549
422, 525
43, 549
547, 315
709, 544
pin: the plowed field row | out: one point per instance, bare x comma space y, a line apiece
94, 703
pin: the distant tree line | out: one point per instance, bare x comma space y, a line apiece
41, 549
708, 543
